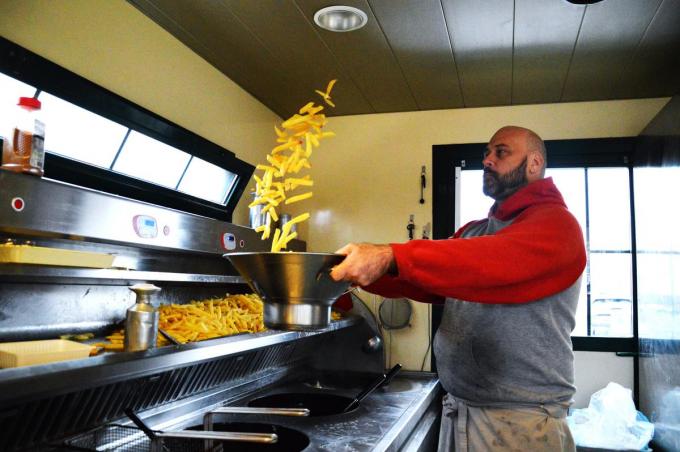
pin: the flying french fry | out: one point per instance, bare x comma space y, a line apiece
327, 95
296, 136
297, 198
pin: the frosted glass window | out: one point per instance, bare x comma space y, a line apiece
79, 134
657, 221
207, 181
10, 92
150, 160
609, 206
655, 188
474, 204
571, 182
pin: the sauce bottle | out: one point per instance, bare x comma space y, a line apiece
26, 152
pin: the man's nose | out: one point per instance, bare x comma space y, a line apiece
488, 162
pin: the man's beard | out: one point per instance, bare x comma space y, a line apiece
500, 187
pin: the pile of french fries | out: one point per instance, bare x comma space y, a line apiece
298, 136
200, 320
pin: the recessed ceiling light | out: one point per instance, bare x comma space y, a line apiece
340, 18
584, 2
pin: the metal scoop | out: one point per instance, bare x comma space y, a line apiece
382, 380
157, 437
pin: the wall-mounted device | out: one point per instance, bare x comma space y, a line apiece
423, 183
411, 226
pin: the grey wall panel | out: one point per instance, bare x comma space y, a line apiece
655, 69
283, 29
545, 34
423, 49
366, 55
667, 121
610, 34
481, 33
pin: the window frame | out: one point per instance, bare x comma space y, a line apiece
28, 67
587, 153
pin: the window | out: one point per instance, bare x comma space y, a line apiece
10, 92
79, 134
658, 251
605, 306
147, 159
198, 172
96, 139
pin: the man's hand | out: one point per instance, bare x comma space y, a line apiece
365, 263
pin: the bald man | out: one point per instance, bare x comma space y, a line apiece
510, 284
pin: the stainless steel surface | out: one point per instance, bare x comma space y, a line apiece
30, 311
296, 316
141, 320
263, 438
285, 218
141, 328
103, 276
383, 422
373, 345
169, 337
375, 384
75, 212
144, 292
40, 301
425, 435
58, 377
255, 216
295, 287
256, 410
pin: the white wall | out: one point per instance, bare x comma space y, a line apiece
593, 370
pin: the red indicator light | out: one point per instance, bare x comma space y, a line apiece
18, 204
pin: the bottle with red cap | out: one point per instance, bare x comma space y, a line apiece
26, 151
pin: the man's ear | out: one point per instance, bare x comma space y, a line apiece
535, 164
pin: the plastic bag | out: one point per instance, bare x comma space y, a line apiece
611, 421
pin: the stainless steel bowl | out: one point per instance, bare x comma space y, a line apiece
296, 288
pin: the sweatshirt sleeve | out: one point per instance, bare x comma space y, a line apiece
394, 287
541, 253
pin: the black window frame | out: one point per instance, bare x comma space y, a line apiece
30, 68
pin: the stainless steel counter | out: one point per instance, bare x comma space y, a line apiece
384, 421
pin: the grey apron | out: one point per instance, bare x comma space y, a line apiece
468, 427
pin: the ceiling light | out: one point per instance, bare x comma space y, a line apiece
584, 2
340, 18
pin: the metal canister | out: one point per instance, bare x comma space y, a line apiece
285, 218
141, 322
257, 218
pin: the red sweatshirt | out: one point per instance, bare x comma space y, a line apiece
538, 252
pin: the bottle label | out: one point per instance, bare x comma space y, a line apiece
37, 159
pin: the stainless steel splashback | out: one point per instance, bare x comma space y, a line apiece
35, 206
180, 252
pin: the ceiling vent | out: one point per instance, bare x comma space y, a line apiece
340, 18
